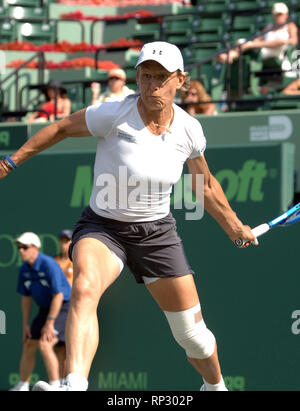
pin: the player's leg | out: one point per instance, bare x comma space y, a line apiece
95, 269
178, 298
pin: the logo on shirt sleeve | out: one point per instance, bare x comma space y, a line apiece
125, 136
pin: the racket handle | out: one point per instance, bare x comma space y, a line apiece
256, 231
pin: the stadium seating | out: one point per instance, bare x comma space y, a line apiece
200, 31
21, 12
147, 32
7, 31
38, 33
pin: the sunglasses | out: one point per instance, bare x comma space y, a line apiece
114, 78
23, 247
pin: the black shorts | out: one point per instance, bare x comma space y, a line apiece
59, 325
150, 249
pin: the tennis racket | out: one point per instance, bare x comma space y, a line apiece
289, 217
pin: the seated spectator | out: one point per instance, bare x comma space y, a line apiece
272, 44
63, 104
292, 88
195, 95
117, 90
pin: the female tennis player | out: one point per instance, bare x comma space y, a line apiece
144, 139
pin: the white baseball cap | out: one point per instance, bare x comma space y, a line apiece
166, 54
280, 8
29, 239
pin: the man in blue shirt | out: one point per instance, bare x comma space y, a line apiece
41, 280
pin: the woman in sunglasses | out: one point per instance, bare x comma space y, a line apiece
198, 98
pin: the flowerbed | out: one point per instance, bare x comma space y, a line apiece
78, 15
76, 63
67, 47
118, 3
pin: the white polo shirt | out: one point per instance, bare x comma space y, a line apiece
134, 169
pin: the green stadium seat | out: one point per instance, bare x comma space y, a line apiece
196, 52
25, 3
232, 36
244, 22
207, 24
263, 20
37, 33
7, 31
244, 5
284, 104
179, 39
177, 24
217, 7
208, 37
147, 32
3, 10
19, 12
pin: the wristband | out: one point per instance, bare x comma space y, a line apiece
11, 162
51, 318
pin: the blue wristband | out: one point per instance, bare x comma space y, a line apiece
10, 160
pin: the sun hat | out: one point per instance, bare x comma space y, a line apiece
117, 72
279, 8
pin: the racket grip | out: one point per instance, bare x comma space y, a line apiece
256, 231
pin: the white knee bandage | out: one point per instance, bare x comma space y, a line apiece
191, 332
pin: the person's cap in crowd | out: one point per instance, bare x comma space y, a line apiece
279, 8
166, 54
117, 72
66, 234
29, 238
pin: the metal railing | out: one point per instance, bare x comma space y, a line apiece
41, 66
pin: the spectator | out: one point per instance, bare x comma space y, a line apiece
292, 88
63, 104
65, 239
41, 280
117, 90
195, 95
273, 43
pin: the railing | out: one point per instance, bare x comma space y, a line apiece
40, 86
41, 63
18, 114
253, 102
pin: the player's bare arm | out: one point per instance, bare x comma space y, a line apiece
216, 203
72, 126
